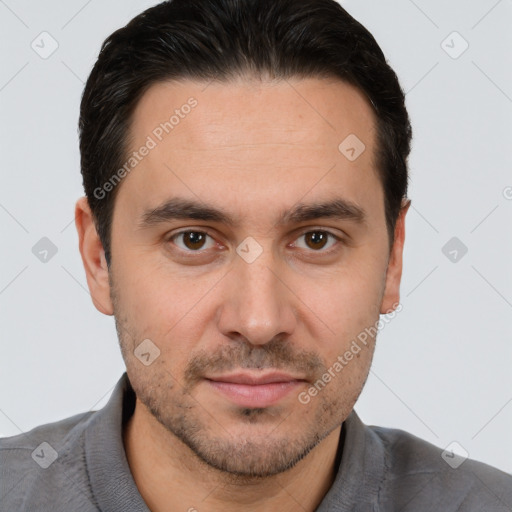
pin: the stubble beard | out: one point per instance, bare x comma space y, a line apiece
245, 456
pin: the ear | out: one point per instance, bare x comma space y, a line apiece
391, 295
93, 258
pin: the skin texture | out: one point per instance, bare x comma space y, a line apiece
253, 149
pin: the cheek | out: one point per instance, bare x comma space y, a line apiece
348, 306
347, 302
172, 310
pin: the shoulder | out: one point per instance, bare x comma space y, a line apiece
420, 471
37, 465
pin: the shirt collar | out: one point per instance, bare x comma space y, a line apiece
111, 479
361, 473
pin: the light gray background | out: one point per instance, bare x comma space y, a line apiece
442, 369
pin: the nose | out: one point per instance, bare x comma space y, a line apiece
256, 303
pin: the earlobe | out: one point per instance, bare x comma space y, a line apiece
93, 258
391, 297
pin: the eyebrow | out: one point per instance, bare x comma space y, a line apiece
186, 209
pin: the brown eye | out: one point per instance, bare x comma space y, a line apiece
193, 240
316, 240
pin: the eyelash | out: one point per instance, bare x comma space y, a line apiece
330, 235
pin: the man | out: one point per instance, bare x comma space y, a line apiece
245, 170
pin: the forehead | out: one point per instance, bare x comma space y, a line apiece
306, 112
266, 139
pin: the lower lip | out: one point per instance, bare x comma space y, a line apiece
255, 396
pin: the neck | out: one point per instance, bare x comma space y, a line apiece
169, 476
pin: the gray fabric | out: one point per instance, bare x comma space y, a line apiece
381, 470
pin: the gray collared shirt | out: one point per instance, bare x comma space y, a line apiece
79, 465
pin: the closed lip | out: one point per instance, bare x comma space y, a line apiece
255, 390
251, 379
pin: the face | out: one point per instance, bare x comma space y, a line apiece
248, 253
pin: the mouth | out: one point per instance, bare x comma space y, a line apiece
252, 390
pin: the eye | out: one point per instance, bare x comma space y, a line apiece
317, 240
193, 240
